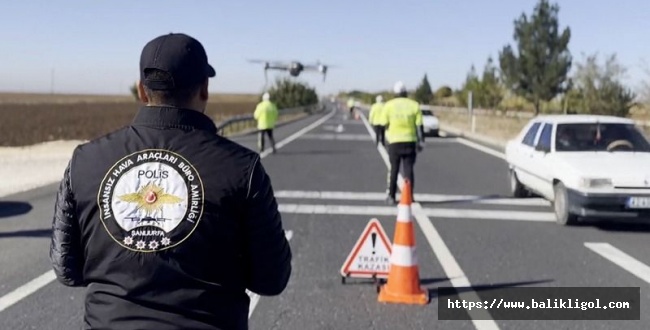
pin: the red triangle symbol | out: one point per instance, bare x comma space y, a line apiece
370, 255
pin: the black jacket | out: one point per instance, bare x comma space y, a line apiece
167, 224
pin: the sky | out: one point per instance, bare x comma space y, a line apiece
94, 47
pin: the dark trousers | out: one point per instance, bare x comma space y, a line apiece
404, 154
379, 134
262, 134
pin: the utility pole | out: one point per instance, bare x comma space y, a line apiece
567, 95
471, 112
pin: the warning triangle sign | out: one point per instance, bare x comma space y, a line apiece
370, 255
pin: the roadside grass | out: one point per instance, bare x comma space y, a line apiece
500, 128
504, 128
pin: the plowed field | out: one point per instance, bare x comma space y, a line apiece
24, 122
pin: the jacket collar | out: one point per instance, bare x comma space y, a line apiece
170, 117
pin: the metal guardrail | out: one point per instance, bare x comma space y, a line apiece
242, 122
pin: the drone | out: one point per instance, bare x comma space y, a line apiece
294, 67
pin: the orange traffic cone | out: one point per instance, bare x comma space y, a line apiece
403, 284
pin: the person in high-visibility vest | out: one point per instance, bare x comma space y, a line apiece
405, 135
266, 114
351, 105
377, 120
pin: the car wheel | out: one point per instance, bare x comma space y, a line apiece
516, 188
435, 133
561, 206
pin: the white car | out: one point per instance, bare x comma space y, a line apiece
587, 166
430, 123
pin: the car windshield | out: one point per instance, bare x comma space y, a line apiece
600, 137
427, 113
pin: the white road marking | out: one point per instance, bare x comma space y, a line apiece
430, 198
26, 289
348, 137
489, 214
34, 285
622, 259
345, 121
439, 140
481, 318
437, 213
337, 209
254, 297
477, 146
337, 129
484, 149
298, 134
363, 137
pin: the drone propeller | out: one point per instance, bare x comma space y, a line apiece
268, 62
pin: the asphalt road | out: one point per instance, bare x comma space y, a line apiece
330, 180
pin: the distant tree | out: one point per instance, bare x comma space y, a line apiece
490, 93
539, 70
645, 85
423, 92
287, 93
486, 90
599, 88
443, 92
573, 101
361, 96
472, 84
569, 98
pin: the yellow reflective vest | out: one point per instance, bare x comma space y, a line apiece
403, 117
266, 114
376, 116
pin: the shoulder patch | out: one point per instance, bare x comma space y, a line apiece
151, 200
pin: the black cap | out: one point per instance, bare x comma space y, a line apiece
180, 55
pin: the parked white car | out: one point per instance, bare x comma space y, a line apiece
587, 166
430, 123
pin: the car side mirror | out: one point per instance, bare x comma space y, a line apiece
543, 148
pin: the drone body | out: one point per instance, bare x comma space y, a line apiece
294, 68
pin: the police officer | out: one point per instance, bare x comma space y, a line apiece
351, 106
376, 119
405, 135
266, 114
165, 222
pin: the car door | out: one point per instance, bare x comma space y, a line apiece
541, 166
524, 156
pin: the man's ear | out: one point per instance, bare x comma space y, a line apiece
203, 93
141, 94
